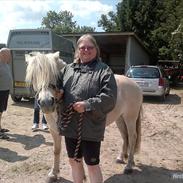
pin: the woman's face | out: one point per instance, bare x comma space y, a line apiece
87, 51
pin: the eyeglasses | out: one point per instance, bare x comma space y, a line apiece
89, 48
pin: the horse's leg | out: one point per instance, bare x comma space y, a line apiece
124, 134
51, 120
132, 138
57, 149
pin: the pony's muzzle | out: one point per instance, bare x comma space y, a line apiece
47, 105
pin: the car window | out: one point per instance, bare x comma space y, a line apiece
143, 72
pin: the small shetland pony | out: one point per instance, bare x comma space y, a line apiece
42, 73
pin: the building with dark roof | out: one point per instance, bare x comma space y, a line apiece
119, 50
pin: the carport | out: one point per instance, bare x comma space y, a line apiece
118, 49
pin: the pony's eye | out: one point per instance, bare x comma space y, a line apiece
52, 86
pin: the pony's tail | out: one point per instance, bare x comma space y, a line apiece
138, 130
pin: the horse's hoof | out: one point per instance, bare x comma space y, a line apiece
128, 171
120, 161
51, 179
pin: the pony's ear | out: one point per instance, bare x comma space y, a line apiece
56, 55
27, 58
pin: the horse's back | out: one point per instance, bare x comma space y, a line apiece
129, 99
127, 87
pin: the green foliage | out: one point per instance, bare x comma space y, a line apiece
83, 29
62, 23
153, 21
108, 24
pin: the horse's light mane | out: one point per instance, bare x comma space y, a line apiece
43, 69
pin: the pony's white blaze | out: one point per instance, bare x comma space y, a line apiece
43, 70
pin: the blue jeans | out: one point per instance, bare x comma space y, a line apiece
37, 113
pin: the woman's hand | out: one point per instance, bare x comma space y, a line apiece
79, 106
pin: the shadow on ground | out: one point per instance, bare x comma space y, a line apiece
29, 142
11, 156
59, 180
171, 99
148, 174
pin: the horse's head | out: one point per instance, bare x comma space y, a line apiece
42, 73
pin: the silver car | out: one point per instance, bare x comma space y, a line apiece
151, 79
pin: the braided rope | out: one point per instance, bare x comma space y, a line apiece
79, 130
63, 121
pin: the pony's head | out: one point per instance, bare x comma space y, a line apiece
42, 73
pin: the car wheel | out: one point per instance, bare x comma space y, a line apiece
163, 97
16, 98
168, 92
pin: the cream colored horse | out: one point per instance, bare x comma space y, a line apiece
42, 73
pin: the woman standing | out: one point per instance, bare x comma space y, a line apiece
90, 86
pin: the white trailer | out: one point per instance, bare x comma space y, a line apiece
24, 41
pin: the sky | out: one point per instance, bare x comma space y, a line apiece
21, 14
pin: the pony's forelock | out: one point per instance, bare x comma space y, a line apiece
42, 70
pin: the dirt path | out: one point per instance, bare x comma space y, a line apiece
27, 156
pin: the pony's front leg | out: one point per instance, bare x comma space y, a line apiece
51, 119
57, 149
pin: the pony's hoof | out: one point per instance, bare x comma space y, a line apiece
128, 171
120, 161
51, 179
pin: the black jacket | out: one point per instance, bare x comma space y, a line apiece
95, 84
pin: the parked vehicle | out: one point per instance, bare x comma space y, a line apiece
174, 70
25, 41
151, 79
175, 75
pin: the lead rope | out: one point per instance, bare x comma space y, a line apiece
79, 130
64, 119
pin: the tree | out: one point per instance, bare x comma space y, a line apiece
62, 23
153, 21
83, 29
109, 22
177, 43
166, 21
122, 20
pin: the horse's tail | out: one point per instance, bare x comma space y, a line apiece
138, 130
